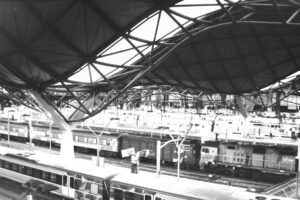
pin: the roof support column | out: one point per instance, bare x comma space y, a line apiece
67, 147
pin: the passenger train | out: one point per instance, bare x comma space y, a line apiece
83, 181
235, 159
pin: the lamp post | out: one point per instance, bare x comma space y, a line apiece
8, 125
29, 127
50, 134
179, 144
98, 139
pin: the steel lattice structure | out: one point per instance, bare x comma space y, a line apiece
227, 47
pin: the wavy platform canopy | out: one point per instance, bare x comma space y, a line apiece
232, 58
86, 54
45, 42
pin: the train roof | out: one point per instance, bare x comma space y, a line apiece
182, 188
18, 159
187, 188
55, 163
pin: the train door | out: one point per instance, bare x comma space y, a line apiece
247, 159
67, 183
230, 154
86, 187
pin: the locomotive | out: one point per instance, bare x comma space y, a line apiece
234, 159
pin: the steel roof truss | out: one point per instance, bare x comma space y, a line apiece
75, 97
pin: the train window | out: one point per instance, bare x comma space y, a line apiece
81, 139
23, 169
76, 138
205, 150
52, 178
92, 141
58, 179
29, 171
14, 167
133, 196
158, 198
65, 181
118, 194
7, 165
1, 163
72, 181
148, 197
46, 176
20, 168
37, 173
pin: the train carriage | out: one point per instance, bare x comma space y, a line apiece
80, 180
128, 186
17, 131
23, 170
188, 152
76, 180
276, 159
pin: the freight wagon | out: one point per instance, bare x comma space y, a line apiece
190, 150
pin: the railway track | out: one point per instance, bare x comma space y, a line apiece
194, 175
259, 186
172, 171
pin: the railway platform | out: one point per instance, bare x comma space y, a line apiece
86, 166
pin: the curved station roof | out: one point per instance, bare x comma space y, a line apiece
44, 42
232, 58
81, 48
